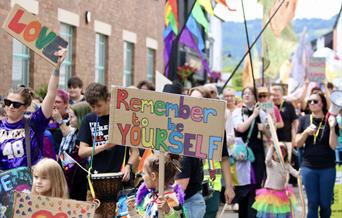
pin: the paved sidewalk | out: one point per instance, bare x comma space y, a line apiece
232, 214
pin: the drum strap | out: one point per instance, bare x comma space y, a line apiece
91, 160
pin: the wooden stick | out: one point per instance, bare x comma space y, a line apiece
161, 178
224, 208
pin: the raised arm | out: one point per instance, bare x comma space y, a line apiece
49, 99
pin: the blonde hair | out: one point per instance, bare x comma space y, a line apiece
51, 169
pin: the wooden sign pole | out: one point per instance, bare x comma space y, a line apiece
161, 178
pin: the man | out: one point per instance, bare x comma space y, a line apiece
286, 134
75, 86
108, 158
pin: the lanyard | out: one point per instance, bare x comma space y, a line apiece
319, 128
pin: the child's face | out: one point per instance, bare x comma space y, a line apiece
73, 119
150, 179
42, 184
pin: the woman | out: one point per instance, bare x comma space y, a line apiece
247, 124
75, 176
13, 152
319, 139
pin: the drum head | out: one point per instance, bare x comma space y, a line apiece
107, 175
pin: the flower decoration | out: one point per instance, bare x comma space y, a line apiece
185, 72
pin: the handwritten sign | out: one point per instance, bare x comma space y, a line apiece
19, 179
37, 206
268, 107
172, 123
26, 27
316, 69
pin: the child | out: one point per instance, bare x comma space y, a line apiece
76, 177
148, 201
48, 179
276, 199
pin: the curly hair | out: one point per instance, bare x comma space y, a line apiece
96, 92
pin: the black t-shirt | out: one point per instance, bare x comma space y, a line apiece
318, 155
254, 142
288, 114
107, 161
192, 168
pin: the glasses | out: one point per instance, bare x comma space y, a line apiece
313, 101
262, 96
15, 104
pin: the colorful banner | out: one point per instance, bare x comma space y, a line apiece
26, 28
37, 206
316, 70
19, 179
172, 123
336, 208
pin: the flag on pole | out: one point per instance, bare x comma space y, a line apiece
284, 15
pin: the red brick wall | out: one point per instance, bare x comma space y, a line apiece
145, 18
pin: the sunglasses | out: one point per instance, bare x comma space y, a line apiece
313, 101
15, 104
262, 96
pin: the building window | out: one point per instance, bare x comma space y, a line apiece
100, 57
20, 64
151, 64
128, 63
67, 33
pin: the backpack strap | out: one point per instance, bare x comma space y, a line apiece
28, 142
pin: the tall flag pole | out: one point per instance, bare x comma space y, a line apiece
249, 48
254, 42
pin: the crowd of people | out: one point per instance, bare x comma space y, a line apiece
66, 133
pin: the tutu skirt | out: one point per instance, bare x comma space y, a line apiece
271, 203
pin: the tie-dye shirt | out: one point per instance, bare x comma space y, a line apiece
12, 141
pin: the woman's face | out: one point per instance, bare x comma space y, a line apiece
72, 119
14, 106
60, 105
315, 103
248, 97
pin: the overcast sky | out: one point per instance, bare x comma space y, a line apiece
323, 9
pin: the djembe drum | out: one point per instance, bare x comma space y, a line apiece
107, 187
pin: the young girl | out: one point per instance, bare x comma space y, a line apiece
148, 201
76, 177
49, 180
276, 199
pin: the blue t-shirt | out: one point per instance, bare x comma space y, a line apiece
12, 141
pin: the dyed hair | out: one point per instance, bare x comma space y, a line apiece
25, 93
204, 91
50, 169
80, 109
96, 92
172, 167
63, 95
75, 82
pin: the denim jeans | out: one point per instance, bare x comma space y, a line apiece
319, 187
195, 206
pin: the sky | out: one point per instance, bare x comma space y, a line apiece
324, 9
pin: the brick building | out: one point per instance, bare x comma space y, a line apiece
113, 42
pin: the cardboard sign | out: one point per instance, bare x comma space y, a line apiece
26, 28
316, 70
268, 107
19, 179
37, 206
167, 122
